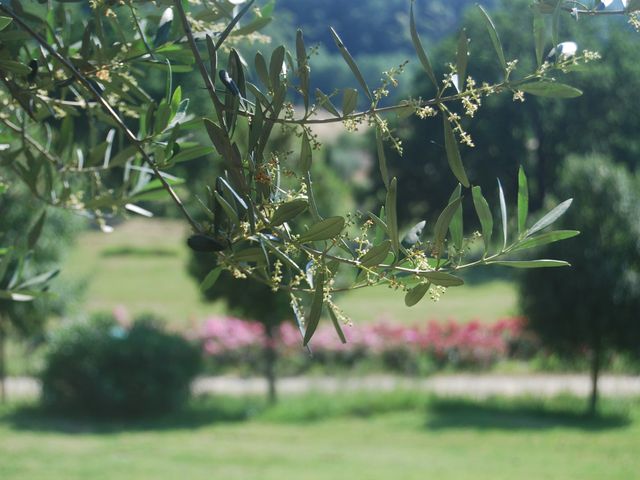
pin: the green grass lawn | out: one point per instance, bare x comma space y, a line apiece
403, 436
141, 266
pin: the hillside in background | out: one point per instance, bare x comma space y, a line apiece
376, 32
373, 26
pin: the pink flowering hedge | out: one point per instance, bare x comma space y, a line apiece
233, 343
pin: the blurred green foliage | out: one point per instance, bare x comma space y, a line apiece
18, 218
538, 133
103, 368
595, 303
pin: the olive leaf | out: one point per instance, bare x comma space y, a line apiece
453, 153
443, 279
530, 263
324, 230
547, 88
416, 294
544, 239
376, 254
288, 211
484, 215
312, 320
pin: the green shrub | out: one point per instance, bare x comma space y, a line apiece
101, 368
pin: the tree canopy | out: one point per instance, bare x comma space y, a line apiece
539, 132
596, 302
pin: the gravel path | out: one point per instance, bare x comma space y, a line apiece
477, 386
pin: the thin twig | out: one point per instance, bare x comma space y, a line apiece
208, 82
108, 108
31, 141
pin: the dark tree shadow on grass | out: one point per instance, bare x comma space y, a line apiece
519, 415
198, 413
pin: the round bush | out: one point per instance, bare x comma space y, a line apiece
101, 368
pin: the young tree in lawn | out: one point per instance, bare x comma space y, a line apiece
595, 303
252, 301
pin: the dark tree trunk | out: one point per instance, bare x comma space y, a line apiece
596, 363
540, 155
3, 393
270, 357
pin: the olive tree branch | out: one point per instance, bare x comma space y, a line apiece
109, 110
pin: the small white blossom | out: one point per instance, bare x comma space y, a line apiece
564, 50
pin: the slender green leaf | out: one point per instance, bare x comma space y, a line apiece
416, 294
213, 57
547, 88
162, 117
349, 100
305, 154
484, 215
392, 215
228, 188
493, 34
280, 254
376, 254
539, 34
36, 230
256, 24
503, 214
250, 255
453, 153
288, 211
262, 70
231, 212
442, 226
324, 230
530, 263
545, 238
382, 159
549, 218
443, 279
303, 68
555, 23
417, 45
381, 225
14, 67
231, 25
176, 98
325, 102
38, 279
275, 66
313, 318
16, 296
191, 153
4, 22
351, 63
462, 58
237, 72
523, 201
211, 278
336, 324
219, 138
456, 226
255, 131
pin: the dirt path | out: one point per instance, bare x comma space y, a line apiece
477, 386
